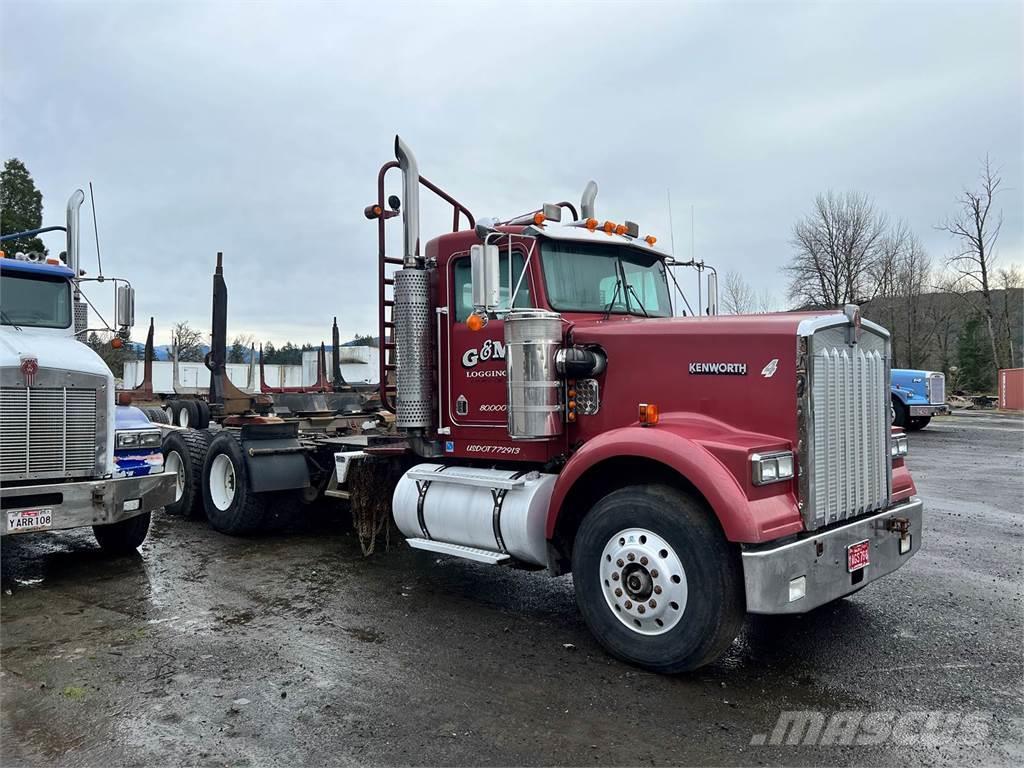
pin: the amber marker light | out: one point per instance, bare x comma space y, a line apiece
539, 218
609, 227
620, 229
476, 322
591, 224
650, 240
648, 414
116, 343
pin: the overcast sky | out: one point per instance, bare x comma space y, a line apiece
257, 129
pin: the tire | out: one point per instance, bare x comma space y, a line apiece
902, 417
231, 507
184, 454
124, 537
187, 414
701, 612
918, 422
156, 415
204, 414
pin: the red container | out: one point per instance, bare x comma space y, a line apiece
1011, 389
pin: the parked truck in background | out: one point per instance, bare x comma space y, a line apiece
69, 457
557, 415
916, 397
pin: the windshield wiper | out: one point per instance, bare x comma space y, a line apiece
618, 287
7, 320
631, 289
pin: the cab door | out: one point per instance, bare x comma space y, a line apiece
476, 393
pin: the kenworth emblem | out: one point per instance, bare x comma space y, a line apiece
718, 369
29, 368
769, 370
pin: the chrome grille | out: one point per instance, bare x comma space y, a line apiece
937, 388
846, 468
47, 432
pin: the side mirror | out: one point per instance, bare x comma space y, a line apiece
124, 317
485, 276
712, 293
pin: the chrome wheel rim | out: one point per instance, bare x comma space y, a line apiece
183, 417
643, 581
173, 463
222, 482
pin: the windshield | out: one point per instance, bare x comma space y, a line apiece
583, 277
36, 301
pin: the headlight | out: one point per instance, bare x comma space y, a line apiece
771, 467
900, 446
139, 439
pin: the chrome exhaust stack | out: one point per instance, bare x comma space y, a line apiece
412, 310
410, 201
73, 229
587, 201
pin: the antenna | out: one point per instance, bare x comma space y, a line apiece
671, 227
96, 231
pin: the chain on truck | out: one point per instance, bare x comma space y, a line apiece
556, 414
69, 457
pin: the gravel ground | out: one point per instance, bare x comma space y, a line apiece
295, 649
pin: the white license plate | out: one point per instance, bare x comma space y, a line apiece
29, 520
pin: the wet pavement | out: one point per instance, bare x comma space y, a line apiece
295, 649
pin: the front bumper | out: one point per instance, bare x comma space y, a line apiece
933, 409
92, 502
821, 559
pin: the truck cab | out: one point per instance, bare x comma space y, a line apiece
916, 397
69, 457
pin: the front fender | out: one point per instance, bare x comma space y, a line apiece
742, 519
900, 395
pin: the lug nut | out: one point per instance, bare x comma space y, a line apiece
653, 603
657, 589
643, 561
640, 609
631, 557
620, 562
615, 576
654, 573
618, 592
628, 605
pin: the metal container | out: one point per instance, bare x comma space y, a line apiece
412, 349
532, 337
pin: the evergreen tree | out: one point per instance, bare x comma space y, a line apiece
975, 356
21, 207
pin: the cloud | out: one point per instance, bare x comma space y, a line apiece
257, 129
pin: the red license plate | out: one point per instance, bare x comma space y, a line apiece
857, 556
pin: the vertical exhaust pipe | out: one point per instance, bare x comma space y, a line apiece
74, 204
712, 293
587, 201
410, 200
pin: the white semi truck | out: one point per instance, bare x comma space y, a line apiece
69, 456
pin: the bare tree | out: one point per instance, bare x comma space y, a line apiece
911, 280
239, 350
766, 302
1010, 280
976, 227
186, 342
837, 251
738, 296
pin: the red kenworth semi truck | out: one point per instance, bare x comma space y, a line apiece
555, 414
685, 470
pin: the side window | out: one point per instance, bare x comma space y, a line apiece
462, 285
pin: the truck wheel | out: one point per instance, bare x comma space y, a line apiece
230, 505
124, 537
187, 414
902, 416
204, 414
918, 422
157, 415
656, 581
184, 453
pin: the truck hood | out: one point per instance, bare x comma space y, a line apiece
50, 350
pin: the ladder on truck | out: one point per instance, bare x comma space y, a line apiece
387, 266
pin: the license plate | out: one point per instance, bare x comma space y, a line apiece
857, 556
29, 520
